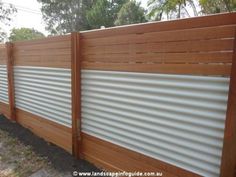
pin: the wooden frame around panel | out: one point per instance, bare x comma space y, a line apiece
102, 153
48, 130
76, 93
5, 110
228, 162
112, 157
10, 78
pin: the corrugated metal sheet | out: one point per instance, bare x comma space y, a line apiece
3, 84
178, 119
45, 92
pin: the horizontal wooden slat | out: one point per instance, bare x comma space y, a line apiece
217, 57
50, 131
191, 69
50, 39
217, 32
44, 52
2, 62
47, 58
196, 22
3, 54
5, 109
54, 45
195, 46
116, 158
45, 61
49, 52
182, 46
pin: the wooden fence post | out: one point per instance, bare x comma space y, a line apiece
10, 78
76, 93
228, 161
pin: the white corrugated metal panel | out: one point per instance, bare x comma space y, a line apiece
45, 92
178, 119
3, 84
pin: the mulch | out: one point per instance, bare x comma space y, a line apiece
60, 159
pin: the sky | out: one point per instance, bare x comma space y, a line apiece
30, 16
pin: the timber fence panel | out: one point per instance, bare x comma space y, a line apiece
4, 99
158, 91
152, 97
42, 78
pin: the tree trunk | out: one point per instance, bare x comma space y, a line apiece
179, 11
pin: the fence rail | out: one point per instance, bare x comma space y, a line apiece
149, 97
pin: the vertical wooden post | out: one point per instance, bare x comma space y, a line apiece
10, 78
228, 161
76, 93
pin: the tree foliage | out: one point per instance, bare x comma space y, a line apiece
180, 8
131, 12
25, 34
172, 8
65, 16
104, 13
100, 14
217, 6
5, 17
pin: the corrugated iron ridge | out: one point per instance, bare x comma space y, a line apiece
3, 84
45, 92
175, 118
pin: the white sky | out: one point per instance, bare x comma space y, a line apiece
30, 16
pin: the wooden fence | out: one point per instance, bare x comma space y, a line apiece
149, 97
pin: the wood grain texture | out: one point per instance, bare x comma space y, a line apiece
10, 79
5, 109
195, 22
216, 45
116, 158
51, 39
190, 69
207, 33
47, 52
193, 57
3, 54
76, 92
228, 162
193, 46
50, 131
